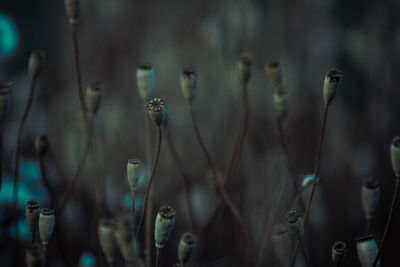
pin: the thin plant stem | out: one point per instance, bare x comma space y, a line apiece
388, 221
314, 183
158, 256
146, 196
307, 261
45, 178
16, 161
133, 204
222, 191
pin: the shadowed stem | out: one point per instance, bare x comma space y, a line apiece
221, 190
16, 161
306, 260
314, 183
146, 196
45, 178
133, 204
158, 256
388, 221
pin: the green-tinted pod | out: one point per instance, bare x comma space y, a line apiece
165, 222
35, 64
273, 71
47, 221
133, 173
245, 66
157, 111
282, 243
145, 81
123, 237
339, 251
189, 83
281, 99
367, 249
93, 97
34, 256
4, 101
72, 10
106, 230
295, 223
186, 247
42, 145
330, 84
395, 155
370, 198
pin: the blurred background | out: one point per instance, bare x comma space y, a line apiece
361, 38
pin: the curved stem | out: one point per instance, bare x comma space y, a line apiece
16, 160
306, 260
45, 178
388, 221
146, 196
314, 184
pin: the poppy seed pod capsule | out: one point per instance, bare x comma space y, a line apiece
106, 230
35, 63
273, 71
157, 110
34, 256
123, 237
245, 67
132, 173
295, 223
331, 81
282, 243
42, 145
186, 247
395, 156
93, 97
189, 83
165, 222
145, 81
281, 102
339, 251
72, 9
4, 101
370, 198
32, 216
367, 249
47, 220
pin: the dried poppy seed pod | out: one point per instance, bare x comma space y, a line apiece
186, 247
370, 198
32, 216
273, 71
106, 239
367, 249
165, 222
132, 173
4, 101
395, 155
123, 237
282, 243
295, 223
93, 97
35, 63
145, 81
189, 83
157, 110
42, 145
331, 81
281, 102
47, 220
245, 67
34, 256
72, 9
339, 251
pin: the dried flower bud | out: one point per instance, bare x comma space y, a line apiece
245, 67
339, 251
132, 173
35, 64
367, 249
165, 222
157, 110
42, 145
145, 81
331, 81
281, 102
72, 9
93, 97
47, 220
395, 155
106, 238
123, 237
32, 215
186, 247
87, 259
295, 223
34, 256
282, 243
189, 83
4, 100
273, 71
370, 198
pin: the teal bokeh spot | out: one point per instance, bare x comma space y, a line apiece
87, 260
9, 36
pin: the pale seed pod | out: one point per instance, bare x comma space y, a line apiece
145, 81
93, 97
107, 242
4, 101
186, 247
133, 172
339, 251
72, 10
46, 226
295, 223
42, 145
282, 243
32, 214
245, 66
395, 155
157, 110
123, 237
331, 81
35, 64
165, 222
367, 249
189, 83
273, 71
370, 198
34, 256
281, 98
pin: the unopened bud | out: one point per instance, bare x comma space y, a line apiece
157, 110
186, 247
395, 156
189, 83
245, 67
106, 238
367, 249
331, 81
47, 220
339, 251
93, 97
273, 71
35, 63
133, 172
165, 222
72, 9
370, 198
145, 81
